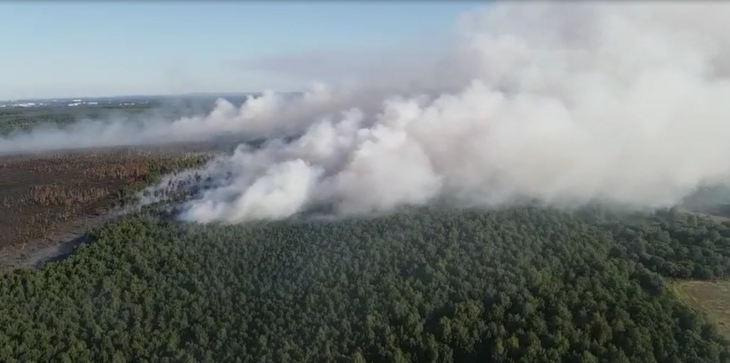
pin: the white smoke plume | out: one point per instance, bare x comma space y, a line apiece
567, 103
266, 115
564, 103
256, 115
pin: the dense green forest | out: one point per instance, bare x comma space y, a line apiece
513, 285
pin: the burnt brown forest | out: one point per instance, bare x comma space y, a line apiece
46, 195
49, 196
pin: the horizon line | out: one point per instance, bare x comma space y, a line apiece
145, 95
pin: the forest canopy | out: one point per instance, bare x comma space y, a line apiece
521, 284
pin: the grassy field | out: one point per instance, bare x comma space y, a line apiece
712, 298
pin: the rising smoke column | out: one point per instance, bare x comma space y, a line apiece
566, 104
562, 103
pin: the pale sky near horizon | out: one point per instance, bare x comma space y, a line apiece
68, 49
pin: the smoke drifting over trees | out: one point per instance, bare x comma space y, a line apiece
561, 103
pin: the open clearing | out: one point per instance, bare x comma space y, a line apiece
712, 298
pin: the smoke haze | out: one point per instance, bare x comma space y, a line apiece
563, 103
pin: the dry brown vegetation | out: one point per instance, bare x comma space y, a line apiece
42, 196
68, 196
711, 298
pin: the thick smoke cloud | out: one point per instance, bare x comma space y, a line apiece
561, 103
565, 104
270, 114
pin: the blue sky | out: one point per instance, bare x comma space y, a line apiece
63, 49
